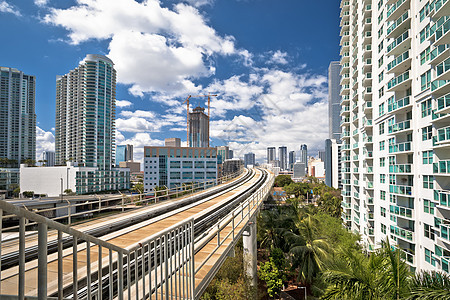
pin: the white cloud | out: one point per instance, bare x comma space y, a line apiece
139, 140
154, 48
146, 121
45, 141
279, 57
123, 103
41, 2
138, 113
8, 8
198, 3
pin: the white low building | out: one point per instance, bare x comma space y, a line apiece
51, 181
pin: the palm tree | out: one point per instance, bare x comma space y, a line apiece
308, 251
430, 286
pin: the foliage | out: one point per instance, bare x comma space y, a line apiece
16, 192
28, 194
272, 276
69, 192
138, 187
430, 286
283, 180
29, 162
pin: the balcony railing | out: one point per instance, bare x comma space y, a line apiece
400, 189
443, 103
394, 7
441, 167
398, 104
400, 147
398, 60
398, 22
399, 126
398, 41
443, 197
403, 233
440, 29
404, 168
401, 211
397, 80
443, 134
438, 84
443, 67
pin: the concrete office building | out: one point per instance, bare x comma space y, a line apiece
299, 170
198, 128
132, 165
84, 132
172, 142
271, 155
334, 99
17, 116
48, 158
395, 125
249, 159
173, 166
282, 156
291, 160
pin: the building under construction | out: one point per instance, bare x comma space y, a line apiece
198, 131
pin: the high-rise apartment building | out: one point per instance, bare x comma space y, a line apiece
249, 159
85, 114
303, 155
129, 152
48, 158
282, 156
223, 153
271, 154
395, 124
291, 160
17, 116
334, 100
198, 128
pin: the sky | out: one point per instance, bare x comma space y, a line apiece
266, 59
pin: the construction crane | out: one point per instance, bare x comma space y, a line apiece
187, 109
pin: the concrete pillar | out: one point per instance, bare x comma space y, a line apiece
250, 251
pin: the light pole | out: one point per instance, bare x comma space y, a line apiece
61, 189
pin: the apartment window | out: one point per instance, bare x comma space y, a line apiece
380, 61
383, 228
393, 198
382, 195
381, 109
380, 76
392, 179
381, 92
380, 32
425, 56
381, 128
380, 3
426, 108
427, 133
428, 231
427, 157
428, 257
425, 33
428, 181
381, 145
382, 178
382, 161
391, 160
380, 46
425, 80
383, 212
428, 206
425, 11
380, 17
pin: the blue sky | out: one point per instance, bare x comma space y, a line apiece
267, 60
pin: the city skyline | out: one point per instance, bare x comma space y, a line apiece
246, 73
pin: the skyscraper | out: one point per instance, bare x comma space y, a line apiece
121, 151
282, 156
85, 113
334, 99
271, 155
129, 153
249, 159
17, 116
291, 160
395, 101
198, 128
223, 153
49, 158
304, 154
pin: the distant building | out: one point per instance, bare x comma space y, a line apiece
249, 159
172, 142
334, 100
9, 179
133, 166
291, 160
49, 158
299, 170
173, 166
129, 153
271, 155
223, 153
124, 153
198, 128
322, 155
17, 116
231, 166
333, 175
282, 156
230, 154
303, 155
317, 169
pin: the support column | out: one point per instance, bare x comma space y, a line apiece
250, 251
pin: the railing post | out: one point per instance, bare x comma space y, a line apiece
21, 291
218, 234
42, 261
232, 223
192, 271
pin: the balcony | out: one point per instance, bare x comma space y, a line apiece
443, 197
443, 70
441, 8
404, 190
367, 106
442, 33
403, 233
400, 169
367, 139
345, 110
396, 83
438, 54
400, 44
400, 147
401, 211
399, 25
441, 167
440, 87
369, 185
368, 154
396, 9
400, 64
400, 127
397, 105
367, 80
345, 90
443, 105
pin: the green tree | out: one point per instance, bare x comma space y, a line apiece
430, 286
330, 204
28, 161
28, 194
283, 180
138, 187
272, 276
69, 192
